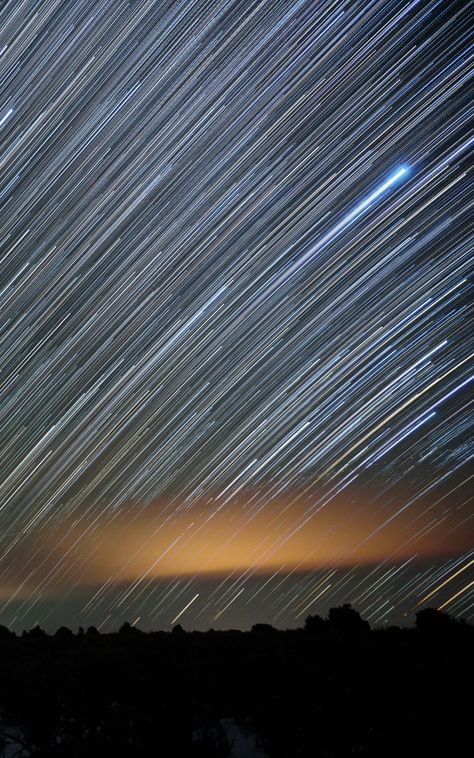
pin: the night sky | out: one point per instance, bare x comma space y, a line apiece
235, 293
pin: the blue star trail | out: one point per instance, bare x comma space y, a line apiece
236, 354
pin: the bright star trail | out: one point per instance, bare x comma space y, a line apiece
236, 357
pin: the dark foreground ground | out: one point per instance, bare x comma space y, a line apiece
333, 688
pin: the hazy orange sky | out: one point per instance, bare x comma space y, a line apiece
160, 542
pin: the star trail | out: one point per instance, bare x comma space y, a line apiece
236, 354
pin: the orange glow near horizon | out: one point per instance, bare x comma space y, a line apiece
156, 542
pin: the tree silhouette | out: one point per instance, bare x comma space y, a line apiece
64, 632
127, 630
342, 690
6, 633
315, 624
178, 630
432, 621
36, 632
263, 629
346, 619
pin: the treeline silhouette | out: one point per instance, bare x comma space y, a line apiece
334, 688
